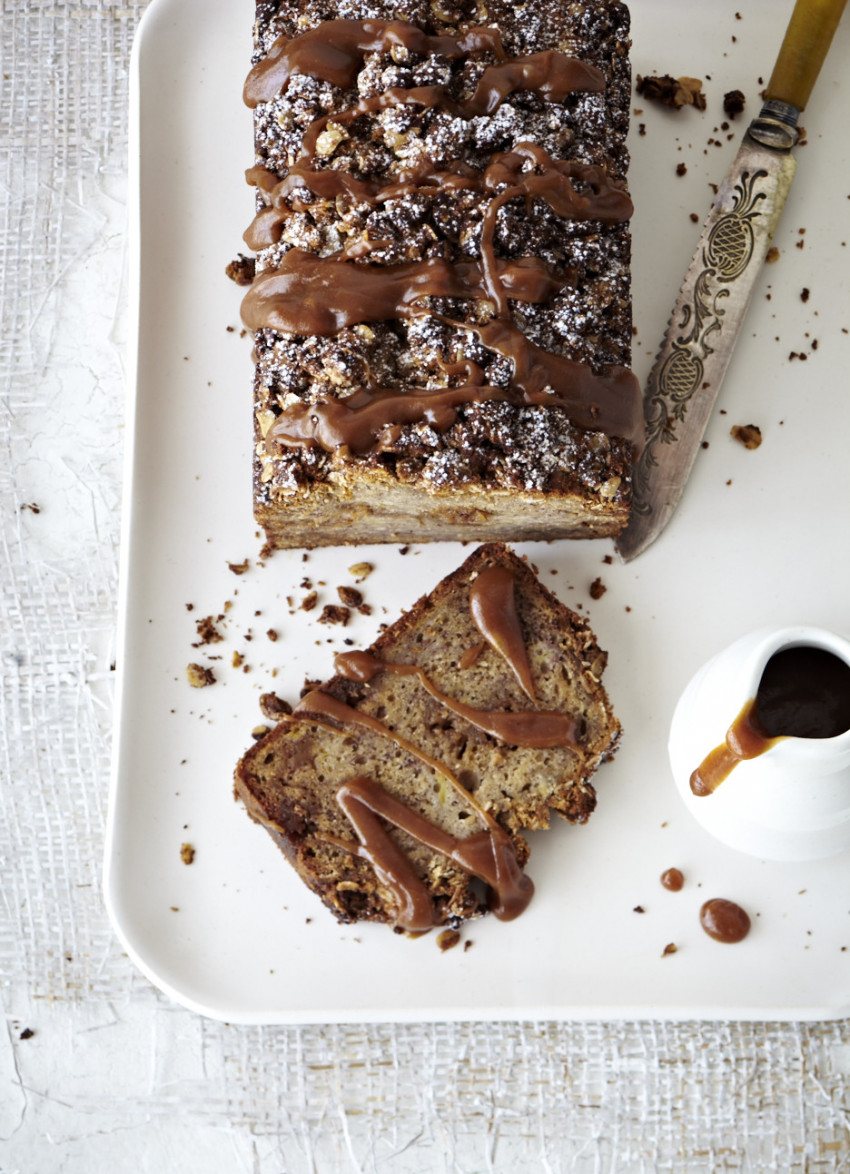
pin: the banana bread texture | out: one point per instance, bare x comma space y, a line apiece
479, 711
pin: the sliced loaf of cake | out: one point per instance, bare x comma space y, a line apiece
399, 785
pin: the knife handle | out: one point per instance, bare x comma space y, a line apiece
804, 48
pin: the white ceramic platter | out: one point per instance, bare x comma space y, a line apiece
760, 538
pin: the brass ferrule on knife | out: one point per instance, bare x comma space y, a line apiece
776, 125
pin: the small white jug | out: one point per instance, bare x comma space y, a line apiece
791, 801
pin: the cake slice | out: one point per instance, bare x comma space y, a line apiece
404, 782
442, 304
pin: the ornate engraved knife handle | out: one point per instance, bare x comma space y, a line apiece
696, 330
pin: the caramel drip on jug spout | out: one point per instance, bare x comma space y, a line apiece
745, 739
804, 692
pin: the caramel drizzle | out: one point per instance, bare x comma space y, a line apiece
370, 420
323, 705
335, 50
552, 183
489, 855
338, 58
492, 602
286, 299
746, 738
308, 294
533, 729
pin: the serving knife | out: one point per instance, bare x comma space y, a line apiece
685, 380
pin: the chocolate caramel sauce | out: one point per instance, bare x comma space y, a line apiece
308, 294
371, 421
552, 181
335, 50
804, 692
488, 855
532, 729
492, 602
311, 295
724, 920
551, 74
316, 704
608, 403
470, 657
745, 739
672, 880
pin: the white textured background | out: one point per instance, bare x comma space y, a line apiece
114, 1077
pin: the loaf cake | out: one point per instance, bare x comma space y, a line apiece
441, 309
406, 780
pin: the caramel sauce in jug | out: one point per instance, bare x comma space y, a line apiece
804, 692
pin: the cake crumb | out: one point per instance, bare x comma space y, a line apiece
772, 255
733, 103
448, 939
310, 601
274, 707
272, 634
241, 270
207, 631
187, 853
360, 571
804, 294
671, 91
670, 948
681, 169
239, 568
350, 596
332, 613
597, 589
747, 434
198, 676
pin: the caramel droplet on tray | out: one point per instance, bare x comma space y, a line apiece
672, 879
724, 920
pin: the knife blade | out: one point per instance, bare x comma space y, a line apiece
704, 325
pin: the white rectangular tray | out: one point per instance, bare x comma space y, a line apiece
760, 538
